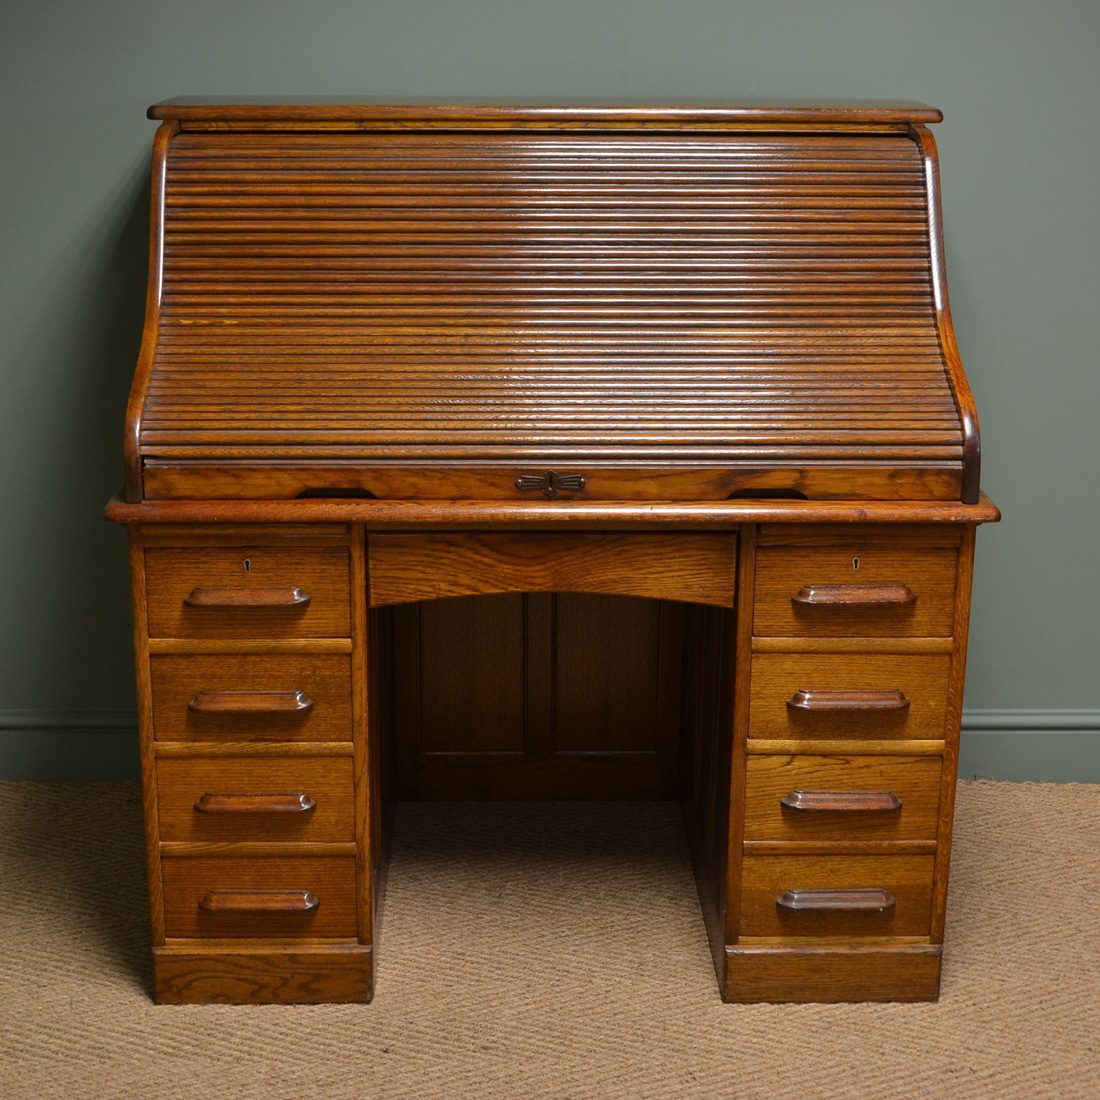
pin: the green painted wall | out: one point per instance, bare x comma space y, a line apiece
1018, 83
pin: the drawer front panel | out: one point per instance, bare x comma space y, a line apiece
835, 893
204, 592
842, 798
849, 695
855, 589
251, 697
689, 566
270, 798
249, 897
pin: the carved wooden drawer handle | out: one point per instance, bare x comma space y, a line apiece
259, 901
836, 901
841, 801
854, 595
247, 597
251, 702
260, 802
848, 700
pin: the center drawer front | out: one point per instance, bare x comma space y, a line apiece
855, 588
906, 879
913, 781
816, 682
206, 697
269, 798
205, 592
254, 887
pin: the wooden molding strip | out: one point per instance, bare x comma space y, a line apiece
853, 645
252, 748
494, 111
249, 645
544, 514
811, 746
839, 847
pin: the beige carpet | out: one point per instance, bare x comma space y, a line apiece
550, 950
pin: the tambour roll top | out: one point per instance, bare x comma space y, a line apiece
466, 301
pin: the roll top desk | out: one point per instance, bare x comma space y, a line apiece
549, 451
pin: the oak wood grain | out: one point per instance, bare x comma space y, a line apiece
189, 879
487, 109
146, 735
697, 568
766, 879
239, 974
482, 514
365, 292
248, 577
870, 590
228, 798
804, 973
245, 697
914, 782
921, 678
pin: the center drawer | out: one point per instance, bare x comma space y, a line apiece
831, 895
246, 897
262, 592
288, 798
251, 697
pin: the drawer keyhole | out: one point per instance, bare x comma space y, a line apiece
248, 565
855, 565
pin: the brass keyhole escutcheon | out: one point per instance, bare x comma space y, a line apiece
855, 565
247, 565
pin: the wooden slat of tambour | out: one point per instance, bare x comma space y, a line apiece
715, 297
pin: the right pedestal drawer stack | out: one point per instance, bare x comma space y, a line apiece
855, 644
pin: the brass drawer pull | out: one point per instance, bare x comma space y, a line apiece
836, 901
854, 595
251, 702
260, 802
841, 801
247, 597
848, 700
259, 901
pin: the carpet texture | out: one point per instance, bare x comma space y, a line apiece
550, 950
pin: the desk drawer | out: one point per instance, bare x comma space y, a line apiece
288, 798
855, 588
842, 798
876, 696
230, 896
251, 697
809, 896
248, 592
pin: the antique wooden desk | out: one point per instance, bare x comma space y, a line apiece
665, 401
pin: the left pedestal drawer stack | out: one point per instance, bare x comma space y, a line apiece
252, 699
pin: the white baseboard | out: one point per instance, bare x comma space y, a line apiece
1039, 745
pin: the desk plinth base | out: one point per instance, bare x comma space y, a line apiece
807, 974
301, 974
